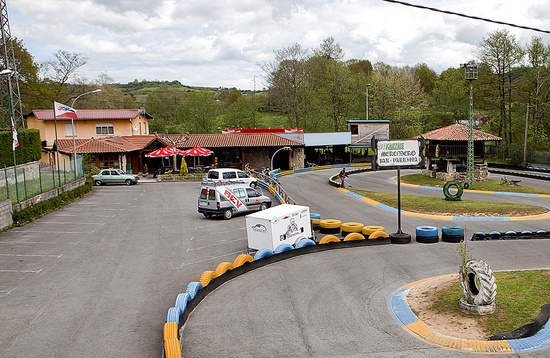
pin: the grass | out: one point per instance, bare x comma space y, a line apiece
489, 185
440, 206
520, 296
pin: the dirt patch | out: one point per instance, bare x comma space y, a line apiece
420, 300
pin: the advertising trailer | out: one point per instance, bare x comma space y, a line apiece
281, 224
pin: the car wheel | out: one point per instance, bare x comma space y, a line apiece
253, 184
98, 183
263, 206
128, 182
228, 214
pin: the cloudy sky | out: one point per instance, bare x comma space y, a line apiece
220, 43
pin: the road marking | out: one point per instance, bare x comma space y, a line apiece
211, 258
38, 242
68, 223
53, 232
22, 271
21, 255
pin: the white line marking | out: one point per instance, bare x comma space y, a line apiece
22, 271
69, 223
21, 255
38, 242
53, 232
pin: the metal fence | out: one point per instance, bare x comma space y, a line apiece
31, 179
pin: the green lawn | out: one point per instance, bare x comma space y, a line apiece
520, 296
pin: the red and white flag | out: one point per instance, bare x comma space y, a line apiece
14, 134
64, 111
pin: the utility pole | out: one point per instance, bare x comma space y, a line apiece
9, 89
471, 73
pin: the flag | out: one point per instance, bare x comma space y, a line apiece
64, 111
14, 134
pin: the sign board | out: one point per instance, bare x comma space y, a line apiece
398, 153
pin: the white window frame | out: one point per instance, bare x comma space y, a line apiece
107, 126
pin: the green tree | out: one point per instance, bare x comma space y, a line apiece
198, 112
242, 113
450, 96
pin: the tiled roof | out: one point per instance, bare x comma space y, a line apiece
238, 140
101, 145
93, 114
458, 132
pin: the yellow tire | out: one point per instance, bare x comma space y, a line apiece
352, 227
223, 268
379, 235
354, 236
206, 277
369, 229
172, 348
170, 330
242, 259
330, 224
328, 239
315, 221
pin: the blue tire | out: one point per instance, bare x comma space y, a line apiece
193, 288
262, 254
427, 231
479, 236
173, 315
283, 248
182, 300
453, 234
305, 242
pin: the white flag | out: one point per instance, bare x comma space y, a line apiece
14, 134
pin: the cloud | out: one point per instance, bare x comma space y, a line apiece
220, 43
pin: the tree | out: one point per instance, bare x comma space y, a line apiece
63, 67
198, 112
501, 52
450, 96
242, 113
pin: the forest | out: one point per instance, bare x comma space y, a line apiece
317, 90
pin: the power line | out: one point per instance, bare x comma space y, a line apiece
468, 16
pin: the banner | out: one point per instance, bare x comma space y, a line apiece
64, 111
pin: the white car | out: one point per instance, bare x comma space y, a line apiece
231, 175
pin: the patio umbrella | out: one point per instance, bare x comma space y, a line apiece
196, 152
164, 152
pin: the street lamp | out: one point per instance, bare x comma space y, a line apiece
277, 151
471, 73
9, 73
73, 128
368, 85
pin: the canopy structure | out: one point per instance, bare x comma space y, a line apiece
196, 152
164, 152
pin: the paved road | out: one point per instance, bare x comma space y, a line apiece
96, 278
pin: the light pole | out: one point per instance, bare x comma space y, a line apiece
9, 73
273, 156
471, 72
73, 128
368, 85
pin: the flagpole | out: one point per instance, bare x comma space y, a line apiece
15, 144
56, 145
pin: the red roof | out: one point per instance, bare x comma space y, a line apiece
458, 132
101, 145
91, 114
238, 140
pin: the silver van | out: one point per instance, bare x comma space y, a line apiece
223, 198
230, 174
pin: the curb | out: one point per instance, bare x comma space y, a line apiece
401, 312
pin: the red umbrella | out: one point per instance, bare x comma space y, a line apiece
164, 152
196, 152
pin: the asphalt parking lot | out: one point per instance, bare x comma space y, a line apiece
96, 278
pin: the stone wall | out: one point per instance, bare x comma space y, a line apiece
6, 219
481, 174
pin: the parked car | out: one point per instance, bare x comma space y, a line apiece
231, 175
114, 176
217, 198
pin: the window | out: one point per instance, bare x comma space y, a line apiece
69, 130
229, 175
354, 129
107, 161
104, 129
252, 193
239, 192
242, 174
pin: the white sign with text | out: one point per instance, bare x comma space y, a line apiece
398, 153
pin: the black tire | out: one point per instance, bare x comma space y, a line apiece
128, 182
427, 239
452, 238
253, 184
400, 238
263, 206
98, 183
457, 195
228, 214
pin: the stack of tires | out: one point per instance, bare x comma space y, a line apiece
427, 234
452, 234
330, 226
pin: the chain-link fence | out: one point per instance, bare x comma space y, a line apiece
28, 180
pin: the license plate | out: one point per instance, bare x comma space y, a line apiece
203, 203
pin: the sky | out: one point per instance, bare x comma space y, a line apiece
221, 43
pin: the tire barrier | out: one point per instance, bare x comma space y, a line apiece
351, 227
283, 248
459, 190
182, 300
315, 221
400, 238
511, 235
223, 268
170, 330
242, 259
453, 234
193, 288
427, 234
262, 254
378, 235
172, 348
174, 314
330, 226
305, 243
329, 239
368, 230
354, 236
206, 277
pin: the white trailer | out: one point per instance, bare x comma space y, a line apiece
281, 224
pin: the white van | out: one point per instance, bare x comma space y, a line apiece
230, 174
227, 198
